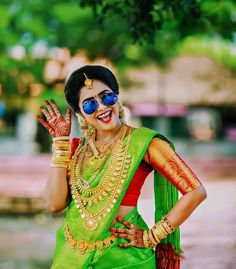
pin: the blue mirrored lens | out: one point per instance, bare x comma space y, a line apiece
109, 99
90, 106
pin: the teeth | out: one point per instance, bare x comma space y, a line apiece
104, 115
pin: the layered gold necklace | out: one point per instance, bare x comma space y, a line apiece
117, 163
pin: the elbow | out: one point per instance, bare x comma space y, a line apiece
201, 193
53, 208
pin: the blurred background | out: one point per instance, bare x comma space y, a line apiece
176, 65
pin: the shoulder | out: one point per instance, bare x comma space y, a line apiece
158, 148
159, 142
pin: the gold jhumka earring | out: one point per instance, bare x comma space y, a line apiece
86, 128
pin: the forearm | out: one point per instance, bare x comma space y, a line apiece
56, 194
186, 205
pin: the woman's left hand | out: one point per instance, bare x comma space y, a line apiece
131, 233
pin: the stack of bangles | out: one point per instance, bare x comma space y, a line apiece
159, 231
60, 152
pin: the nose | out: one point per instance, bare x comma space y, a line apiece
101, 106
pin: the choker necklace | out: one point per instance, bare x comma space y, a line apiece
104, 147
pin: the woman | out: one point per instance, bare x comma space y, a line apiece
99, 176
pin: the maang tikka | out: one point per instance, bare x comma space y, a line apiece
88, 82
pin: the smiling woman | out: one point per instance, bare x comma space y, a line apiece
98, 177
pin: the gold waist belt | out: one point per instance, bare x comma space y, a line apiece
82, 245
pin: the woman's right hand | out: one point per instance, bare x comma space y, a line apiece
56, 124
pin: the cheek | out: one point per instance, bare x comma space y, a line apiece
116, 109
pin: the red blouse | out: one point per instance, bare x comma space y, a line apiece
161, 157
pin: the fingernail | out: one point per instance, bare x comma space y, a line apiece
52, 101
41, 107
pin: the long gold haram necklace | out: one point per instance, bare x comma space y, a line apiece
86, 183
100, 189
115, 175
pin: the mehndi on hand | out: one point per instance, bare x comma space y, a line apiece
56, 124
59, 128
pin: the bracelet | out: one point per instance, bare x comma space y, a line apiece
60, 138
61, 153
55, 165
158, 232
152, 241
145, 239
167, 222
61, 145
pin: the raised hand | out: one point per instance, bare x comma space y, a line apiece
56, 124
131, 233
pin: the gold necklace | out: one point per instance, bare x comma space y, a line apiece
95, 173
100, 189
109, 187
104, 147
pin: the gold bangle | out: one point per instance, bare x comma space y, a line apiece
61, 143
159, 232
155, 235
64, 146
162, 232
60, 157
152, 240
145, 239
55, 165
60, 138
165, 219
166, 227
60, 153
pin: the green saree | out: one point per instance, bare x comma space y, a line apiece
111, 255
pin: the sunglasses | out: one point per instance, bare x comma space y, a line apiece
91, 105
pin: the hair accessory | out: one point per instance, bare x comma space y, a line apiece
88, 82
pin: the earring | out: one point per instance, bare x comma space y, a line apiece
88, 130
121, 113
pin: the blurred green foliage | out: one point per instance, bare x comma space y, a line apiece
126, 32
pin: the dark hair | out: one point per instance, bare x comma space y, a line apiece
77, 78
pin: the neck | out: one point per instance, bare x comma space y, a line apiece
106, 136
